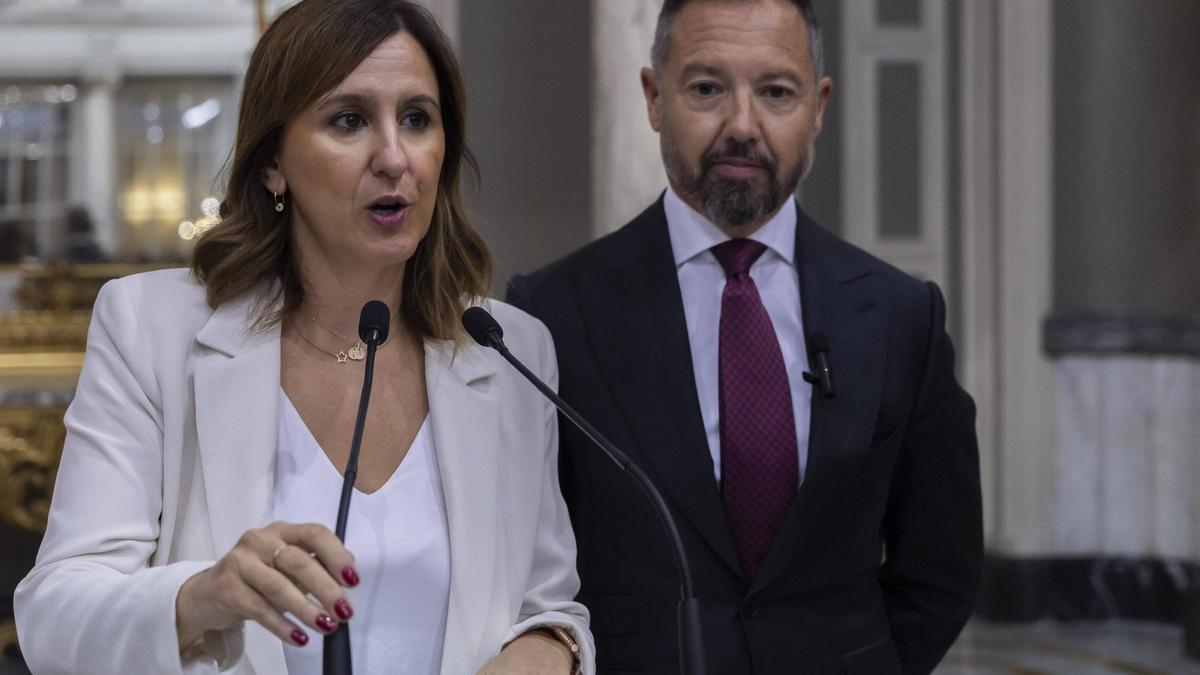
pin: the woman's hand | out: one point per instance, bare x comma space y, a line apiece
533, 653
270, 571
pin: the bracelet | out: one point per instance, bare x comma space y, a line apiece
564, 636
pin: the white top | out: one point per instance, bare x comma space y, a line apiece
702, 281
400, 541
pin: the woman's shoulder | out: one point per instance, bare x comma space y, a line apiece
525, 336
176, 282
166, 299
520, 328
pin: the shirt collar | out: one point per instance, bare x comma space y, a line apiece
692, 234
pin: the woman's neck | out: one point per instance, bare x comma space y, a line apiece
334, 299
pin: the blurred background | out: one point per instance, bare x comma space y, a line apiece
1039, 159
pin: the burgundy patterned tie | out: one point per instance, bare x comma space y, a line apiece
759, 469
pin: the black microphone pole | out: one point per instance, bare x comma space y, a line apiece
487, 332
373, 324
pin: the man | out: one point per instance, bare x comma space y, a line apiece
832, 518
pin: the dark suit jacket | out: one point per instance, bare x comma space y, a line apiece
877, 566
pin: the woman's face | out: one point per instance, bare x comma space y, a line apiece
360, 166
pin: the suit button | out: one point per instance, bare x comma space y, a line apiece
748, 610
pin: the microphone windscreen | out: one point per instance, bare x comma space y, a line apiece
818, 343
374, 318
479, 325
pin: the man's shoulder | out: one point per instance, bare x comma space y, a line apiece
851, 263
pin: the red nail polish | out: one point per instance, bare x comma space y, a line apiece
299, 637
350, 575
343, 609
326, 623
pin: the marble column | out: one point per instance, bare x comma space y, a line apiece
1126, 329
1127, 156
98, 161
1126, 457
1005, 257
627, 172
1025, 227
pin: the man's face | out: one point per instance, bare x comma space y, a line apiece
737, 106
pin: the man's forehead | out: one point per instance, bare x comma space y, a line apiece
762, 28
782, 14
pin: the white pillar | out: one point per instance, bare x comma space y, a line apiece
627, 171
1027, 460
98, 163
979, 300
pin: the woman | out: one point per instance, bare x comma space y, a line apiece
213, 404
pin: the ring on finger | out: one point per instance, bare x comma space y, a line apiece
278, 550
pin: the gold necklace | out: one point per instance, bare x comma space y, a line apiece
356, 352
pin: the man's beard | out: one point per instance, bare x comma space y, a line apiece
734, 202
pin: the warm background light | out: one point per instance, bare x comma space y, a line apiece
145, 204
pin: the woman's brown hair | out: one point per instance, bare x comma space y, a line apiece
305, 53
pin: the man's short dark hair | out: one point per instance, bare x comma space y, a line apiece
671, 9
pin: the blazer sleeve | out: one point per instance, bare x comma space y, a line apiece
554, 581
933, 527
92, 603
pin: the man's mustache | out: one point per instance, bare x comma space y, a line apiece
743, 155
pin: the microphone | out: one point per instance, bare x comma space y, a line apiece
818, 345
373, 323
484, 329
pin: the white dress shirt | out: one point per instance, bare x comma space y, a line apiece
702, 281
401, 547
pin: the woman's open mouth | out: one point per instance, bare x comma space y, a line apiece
388, 212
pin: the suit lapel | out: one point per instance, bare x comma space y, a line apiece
237, 397
836, 301
469, 462
647, 362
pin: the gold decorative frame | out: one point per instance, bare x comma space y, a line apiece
40, 369
8, 637
31, 440
41, 346
61, 286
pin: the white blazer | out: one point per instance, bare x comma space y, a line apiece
171, 441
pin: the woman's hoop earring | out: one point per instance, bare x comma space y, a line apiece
279, 202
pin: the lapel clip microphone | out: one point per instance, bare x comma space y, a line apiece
823, 378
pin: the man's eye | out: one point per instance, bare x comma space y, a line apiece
777, 92
349, 121
705, 88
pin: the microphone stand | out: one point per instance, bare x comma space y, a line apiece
335, 658
691, 644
